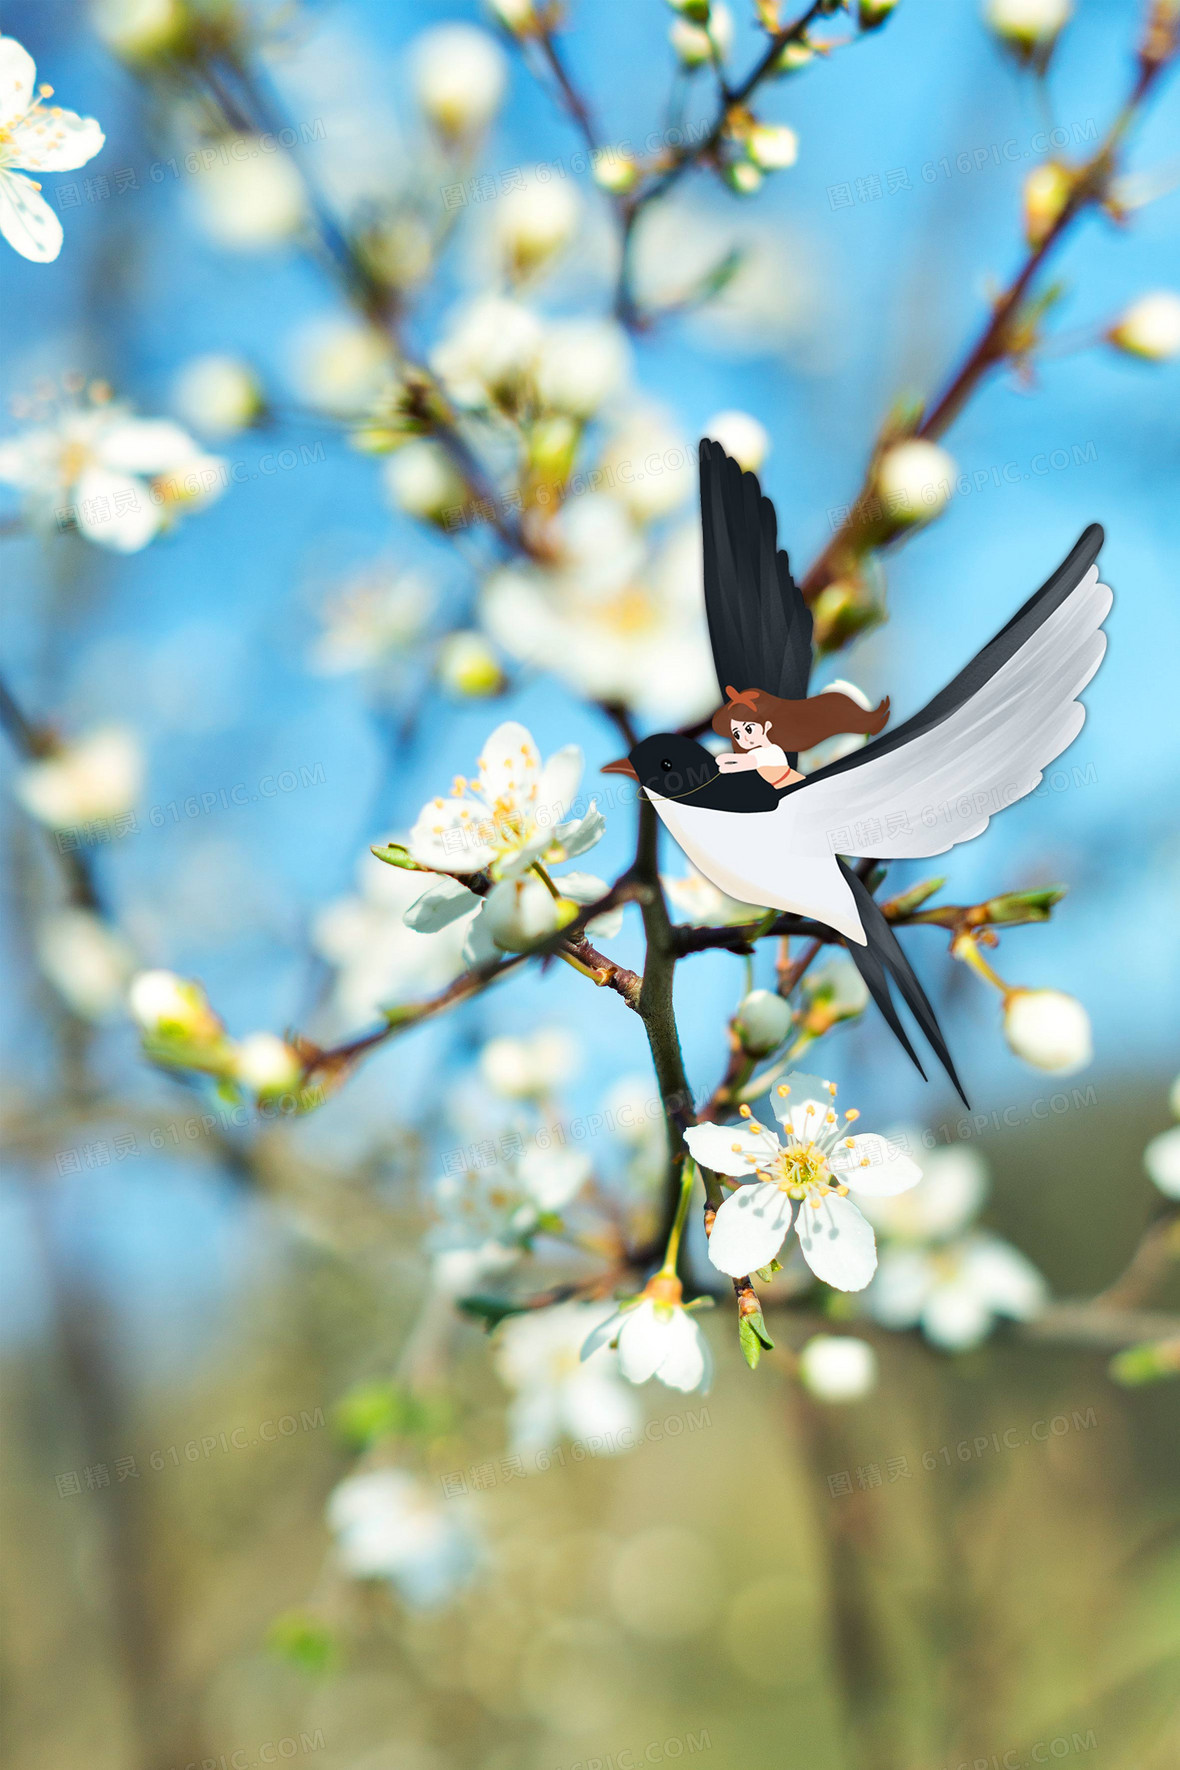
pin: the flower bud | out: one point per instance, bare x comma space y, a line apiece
1048, 1029
743, 177
168, 1006
696, 44
615, 171
468, 667
1047, 190
87, 963
1028, 27
762, 1022
914, 480
1150, 327
266, 1065
534, 224
140, 29
837, 1368
696, 11
422, 480
740, 436
1161, 1158
519, 912
772, 146
96, 778
517, 16
873, 13
219, 395
459, 78
252, 201
792, 57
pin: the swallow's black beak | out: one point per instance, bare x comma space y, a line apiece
622, 766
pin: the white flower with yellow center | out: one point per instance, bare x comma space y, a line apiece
555, 1390
121, 478
39, 138
816, 1167
513, 814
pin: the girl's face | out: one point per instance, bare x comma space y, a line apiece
747, 735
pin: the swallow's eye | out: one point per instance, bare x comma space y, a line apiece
665, 765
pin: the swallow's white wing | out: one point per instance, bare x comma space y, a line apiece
979, 746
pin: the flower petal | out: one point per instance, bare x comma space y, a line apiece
955, 1317
509, 763
451, 836
837, 1243
686, 1363
438, 907
146, 445
26, 220
115, 510
902, 1283
558, 786
998, 1273
801, 1089
749, 1229
730, 1149
581, 833
53, 140
873, 1165
18, 74
552, 1177
643, 1340
601, 1336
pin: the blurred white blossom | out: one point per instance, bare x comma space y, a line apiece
423, 481
459, 76
696, 44
532, 1067
772, 146
389, 1526
838, 1368
266, 1064
533, 224
371, 618
1161, 1158
817, 1165
218, 394
96, 777
486, 1216
121, 478
581, 365
1048, 1029
468, 667
87, 963
915, 479
763, 1021
946, 1200
139, 29
557, 1393
488, 351
1150, 327
740, 436
37, 137
1027, 24
955, 1292
250, 199
341, 365
166, 1005
705, 905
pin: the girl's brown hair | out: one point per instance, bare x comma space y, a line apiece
797, 725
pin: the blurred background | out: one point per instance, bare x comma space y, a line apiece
223, 1315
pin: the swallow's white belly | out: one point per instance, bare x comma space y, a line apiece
750, 856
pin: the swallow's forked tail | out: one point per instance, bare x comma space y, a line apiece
883, 958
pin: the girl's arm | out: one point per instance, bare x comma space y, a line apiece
742, 761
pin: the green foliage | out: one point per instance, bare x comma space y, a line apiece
304, 1642
377, 1410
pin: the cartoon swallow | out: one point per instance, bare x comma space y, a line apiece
764, 833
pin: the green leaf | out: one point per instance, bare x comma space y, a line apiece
1025, 906
394, 855
491, 1310
373, 1411
750, 1343
766, 1273
304, 1642
1152, 1362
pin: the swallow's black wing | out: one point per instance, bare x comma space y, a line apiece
759, 624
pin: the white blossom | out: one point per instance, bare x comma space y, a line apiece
656, 1337
817, 1166
763, 1021
1048, 1029
139, 29
1027, 23
94, 778
459, 77
1161, 1158
486, 1216
218, 394
250, 199
705, 905
740, 436
529, 1068
266, 1064
488, 351
86, 962
122, 478
468, 667
167, 1005
915, 479
652, 470
946, 1200
838, 1367
1150, 327
772, 146
341, 365
697, 44
557, 1393
581, 364
372, 618
389, 1526
534, 224
37, 137
422, 480
519, 912
514, 813
956, 1291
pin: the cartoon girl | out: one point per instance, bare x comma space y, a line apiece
751, 716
